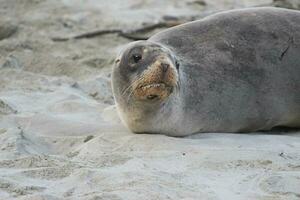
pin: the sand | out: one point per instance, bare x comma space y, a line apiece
60, 134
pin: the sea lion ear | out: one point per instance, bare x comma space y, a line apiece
117, 61
177, 64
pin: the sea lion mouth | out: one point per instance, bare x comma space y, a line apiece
153, 85
157, 81
152, 97
154, 91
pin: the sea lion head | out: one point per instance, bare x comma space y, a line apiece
145, 72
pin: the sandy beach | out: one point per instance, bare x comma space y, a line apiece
61, 138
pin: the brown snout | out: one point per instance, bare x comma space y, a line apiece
157, 81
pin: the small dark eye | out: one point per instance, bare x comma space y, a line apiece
136, 58
177, 64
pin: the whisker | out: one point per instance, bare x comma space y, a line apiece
130, 86
125, 90
129, 96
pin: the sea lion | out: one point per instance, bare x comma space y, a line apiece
235, 71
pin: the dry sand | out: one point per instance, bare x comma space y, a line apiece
61, 137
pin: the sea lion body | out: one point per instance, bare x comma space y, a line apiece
239, 71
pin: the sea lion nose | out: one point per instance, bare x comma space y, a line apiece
164, 67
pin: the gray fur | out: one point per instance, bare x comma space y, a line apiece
239, 72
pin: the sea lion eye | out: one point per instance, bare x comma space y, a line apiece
136, 57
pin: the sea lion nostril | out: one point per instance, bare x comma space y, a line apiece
165, 66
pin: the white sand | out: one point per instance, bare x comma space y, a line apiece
61, 137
